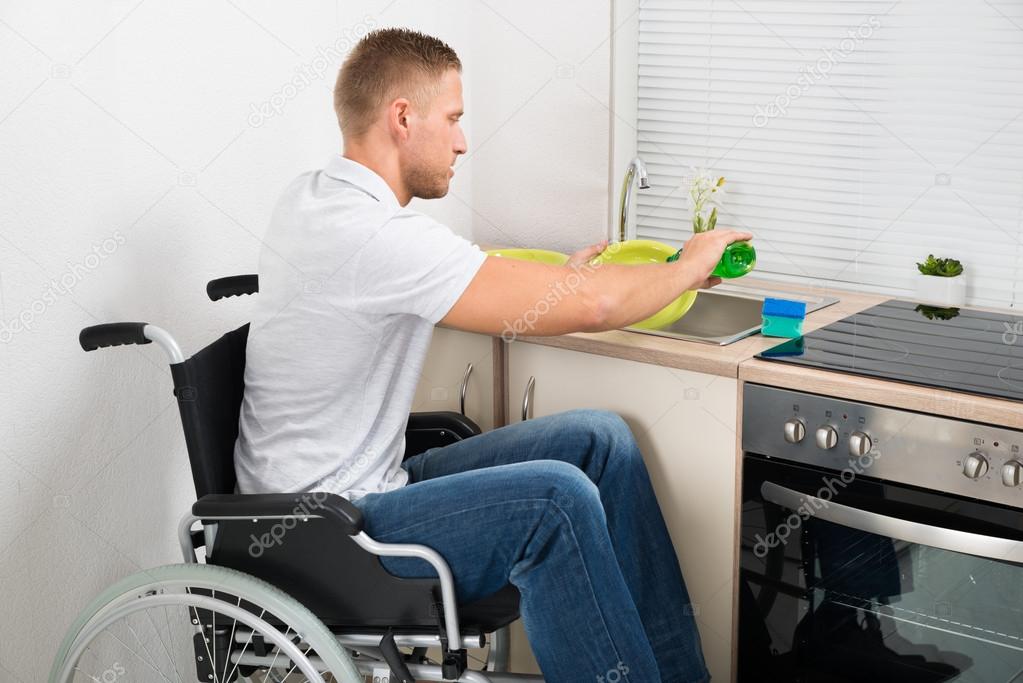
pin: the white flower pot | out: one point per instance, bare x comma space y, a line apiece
940, 291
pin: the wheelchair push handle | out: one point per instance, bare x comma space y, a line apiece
234, 285
112, 334
120, 334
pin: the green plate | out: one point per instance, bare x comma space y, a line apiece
638, 252
554, 258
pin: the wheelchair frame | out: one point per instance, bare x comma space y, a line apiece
212, 509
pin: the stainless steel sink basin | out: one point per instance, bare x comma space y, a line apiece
728, 313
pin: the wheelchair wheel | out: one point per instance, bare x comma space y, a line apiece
197, 622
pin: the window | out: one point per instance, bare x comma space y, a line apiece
856, 136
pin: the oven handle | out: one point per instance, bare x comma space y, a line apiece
991, 547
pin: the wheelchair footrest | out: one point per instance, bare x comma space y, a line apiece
395, 660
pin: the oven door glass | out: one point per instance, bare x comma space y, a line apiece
858, 580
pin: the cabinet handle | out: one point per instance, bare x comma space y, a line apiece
462, 389
526, 396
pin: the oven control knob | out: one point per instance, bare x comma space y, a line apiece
827, 437
795, 430
1012, 473
975, 465
859, 444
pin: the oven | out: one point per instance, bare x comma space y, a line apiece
877, 544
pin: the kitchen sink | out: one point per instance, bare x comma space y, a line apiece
728, 313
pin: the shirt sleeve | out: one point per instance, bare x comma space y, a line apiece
415, 265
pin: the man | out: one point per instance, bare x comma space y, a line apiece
351, 286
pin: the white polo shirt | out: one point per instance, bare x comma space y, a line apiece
350, 287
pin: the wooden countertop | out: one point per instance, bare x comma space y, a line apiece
706, 358
737, 360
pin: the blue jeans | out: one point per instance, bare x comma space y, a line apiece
560, 506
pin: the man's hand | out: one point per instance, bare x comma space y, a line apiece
703, 251
583, 256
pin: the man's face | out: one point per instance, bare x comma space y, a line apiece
435, 141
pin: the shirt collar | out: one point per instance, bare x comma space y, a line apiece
362, 177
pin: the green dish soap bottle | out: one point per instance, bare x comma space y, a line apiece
739, 258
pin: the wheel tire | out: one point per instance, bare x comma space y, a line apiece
137, 587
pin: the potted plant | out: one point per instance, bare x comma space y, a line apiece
940, 282
706, 194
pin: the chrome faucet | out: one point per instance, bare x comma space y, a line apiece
636, 167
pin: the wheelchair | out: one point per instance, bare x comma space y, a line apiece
277, 587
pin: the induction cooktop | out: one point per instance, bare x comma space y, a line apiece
959, 349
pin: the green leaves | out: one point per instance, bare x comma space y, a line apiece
705, 191
941, 267
701, 225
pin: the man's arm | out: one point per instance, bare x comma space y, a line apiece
523, 297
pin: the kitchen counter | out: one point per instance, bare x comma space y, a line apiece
711, 359
737, 361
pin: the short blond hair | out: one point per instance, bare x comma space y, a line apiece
384, 65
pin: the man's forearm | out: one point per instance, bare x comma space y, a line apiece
627, 294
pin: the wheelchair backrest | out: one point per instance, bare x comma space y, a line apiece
209, 388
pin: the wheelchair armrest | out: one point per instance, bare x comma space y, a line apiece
444, 419
318, 503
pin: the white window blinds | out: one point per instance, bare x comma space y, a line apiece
856, 136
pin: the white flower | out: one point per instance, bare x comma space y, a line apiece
706, 195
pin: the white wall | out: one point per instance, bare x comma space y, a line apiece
134, 168
540, 93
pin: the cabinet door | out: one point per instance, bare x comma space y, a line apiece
451, 351
685, 424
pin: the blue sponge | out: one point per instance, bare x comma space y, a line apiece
783, 318
784, 308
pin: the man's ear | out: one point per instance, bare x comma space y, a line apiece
398, 116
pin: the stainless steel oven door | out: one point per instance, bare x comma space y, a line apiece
864, 580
